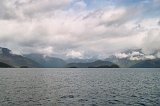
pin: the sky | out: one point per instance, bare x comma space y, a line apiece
79, 28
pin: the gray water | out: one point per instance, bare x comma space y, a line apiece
79, 87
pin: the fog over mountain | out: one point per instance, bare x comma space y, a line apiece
81, 29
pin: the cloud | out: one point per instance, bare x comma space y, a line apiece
33, 7
158, 55
29, 8
151, 41
75, 54
80, 5
70, 29
136, 55
121, 55
151, 30
6, 10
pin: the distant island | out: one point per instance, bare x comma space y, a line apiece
95, 64
10, 60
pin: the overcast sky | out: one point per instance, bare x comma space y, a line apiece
79, 28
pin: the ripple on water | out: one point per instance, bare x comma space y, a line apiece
80, 87
67, 96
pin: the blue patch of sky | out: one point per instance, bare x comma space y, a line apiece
151, 12
132, 2
92, 4
150, 9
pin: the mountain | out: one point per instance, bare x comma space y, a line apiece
126, 59
53, 62
16, 60
129, 58
46, 61
123, 62
77, 60
95, 64
155, 63
4, 65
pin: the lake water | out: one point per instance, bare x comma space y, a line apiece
79, 87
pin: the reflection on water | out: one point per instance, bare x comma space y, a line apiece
79, 87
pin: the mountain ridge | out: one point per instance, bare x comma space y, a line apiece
155, 63
15, 60
95, 64
42, 61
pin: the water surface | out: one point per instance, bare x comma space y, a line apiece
79, 87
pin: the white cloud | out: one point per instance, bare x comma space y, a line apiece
36, 6
135, 55
151, 41
80, 5
113, 14
75, 54
158, 55
56, 27
23, 9
150, 57
121, 55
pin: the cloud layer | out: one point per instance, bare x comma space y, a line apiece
72, 28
